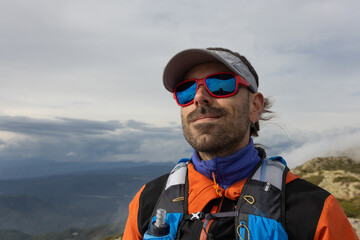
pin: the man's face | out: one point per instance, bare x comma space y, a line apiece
216, 126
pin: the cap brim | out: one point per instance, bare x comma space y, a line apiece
182, 62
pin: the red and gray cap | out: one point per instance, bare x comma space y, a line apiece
182, 62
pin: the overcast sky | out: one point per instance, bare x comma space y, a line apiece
82, 80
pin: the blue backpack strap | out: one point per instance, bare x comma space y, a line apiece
185, 160
280, 159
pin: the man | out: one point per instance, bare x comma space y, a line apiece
229, 189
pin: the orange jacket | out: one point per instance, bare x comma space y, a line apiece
311, 212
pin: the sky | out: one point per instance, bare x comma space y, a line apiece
82, 80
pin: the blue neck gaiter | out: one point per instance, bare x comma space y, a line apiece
229, 169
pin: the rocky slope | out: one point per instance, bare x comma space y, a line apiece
341, 177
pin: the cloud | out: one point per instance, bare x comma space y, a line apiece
58, 127
66, 139
298, 146
103, 60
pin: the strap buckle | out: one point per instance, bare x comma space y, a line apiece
197, 216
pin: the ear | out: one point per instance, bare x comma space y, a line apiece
256, 106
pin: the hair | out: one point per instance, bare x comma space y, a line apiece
266, 113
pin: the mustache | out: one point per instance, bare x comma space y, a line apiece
205, 110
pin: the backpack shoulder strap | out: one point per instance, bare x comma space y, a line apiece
173, 197
263, 195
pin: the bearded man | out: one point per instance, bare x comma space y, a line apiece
229, 189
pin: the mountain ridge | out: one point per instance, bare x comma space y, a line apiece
340, 176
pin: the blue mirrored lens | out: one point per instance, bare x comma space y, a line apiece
221, 84
185, 93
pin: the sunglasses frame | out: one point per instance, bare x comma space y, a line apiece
202, 81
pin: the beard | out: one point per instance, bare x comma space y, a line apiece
222, 136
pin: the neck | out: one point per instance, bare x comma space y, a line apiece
229, 150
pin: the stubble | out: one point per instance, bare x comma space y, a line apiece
219, 138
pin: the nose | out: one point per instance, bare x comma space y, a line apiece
202, 97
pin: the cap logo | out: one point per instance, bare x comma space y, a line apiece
235, 64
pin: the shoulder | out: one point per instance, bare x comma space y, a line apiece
155, 185
303, 205
141, 207
151, 191
300, 188
313, 213
148, 199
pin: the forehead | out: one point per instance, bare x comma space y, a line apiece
204, 69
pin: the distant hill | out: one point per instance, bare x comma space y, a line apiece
44, 168
96, 233
338, 175
14, 235
84, 200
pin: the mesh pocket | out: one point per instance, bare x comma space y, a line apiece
271, 172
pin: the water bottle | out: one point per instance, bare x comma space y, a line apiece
159, 229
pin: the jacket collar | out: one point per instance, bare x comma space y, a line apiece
229, 169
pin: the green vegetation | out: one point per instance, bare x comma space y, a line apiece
113, 237
351, 207
354, 168
346, 179
315, 179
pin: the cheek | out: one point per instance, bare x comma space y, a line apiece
184, 113
239, 112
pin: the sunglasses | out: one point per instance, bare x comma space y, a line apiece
219, 85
